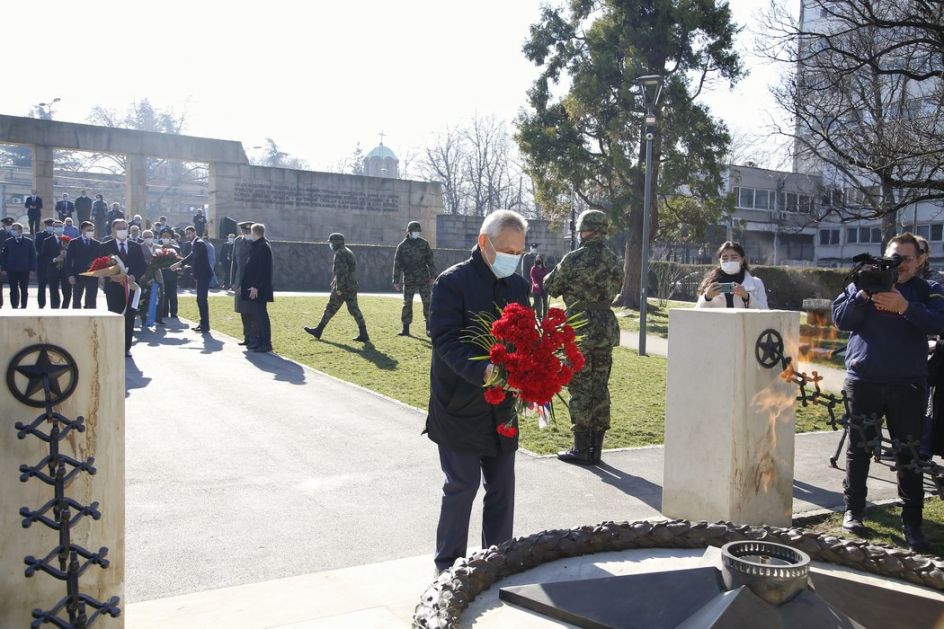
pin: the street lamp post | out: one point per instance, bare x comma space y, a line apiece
651, 87
46, 108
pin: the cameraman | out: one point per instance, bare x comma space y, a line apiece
886, 364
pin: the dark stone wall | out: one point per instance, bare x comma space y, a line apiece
456, 231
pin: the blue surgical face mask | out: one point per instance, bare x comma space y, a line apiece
505, 264
57, 230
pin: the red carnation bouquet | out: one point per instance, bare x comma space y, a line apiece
533, 360
162, 258
64, 244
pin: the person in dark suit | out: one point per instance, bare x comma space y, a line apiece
64, 207
199, 261
460, 421
34, 211
257, 289
80, 254
6, 232
117, 295
83, 207
226, 260
199, 223
41, 262
53, 256
168, 306
18, 259
99, 215
113, 214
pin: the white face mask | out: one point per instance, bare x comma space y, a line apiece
731, 267
57, 230
121, 234
414, 235
149, 241
230, 240
165, 241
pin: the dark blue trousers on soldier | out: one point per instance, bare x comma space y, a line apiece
464, 471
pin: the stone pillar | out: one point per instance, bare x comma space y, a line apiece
43, 163
729, 421
221, 186
136, 186
96, 342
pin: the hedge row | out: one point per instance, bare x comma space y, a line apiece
787, 287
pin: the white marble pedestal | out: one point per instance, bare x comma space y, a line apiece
729, 421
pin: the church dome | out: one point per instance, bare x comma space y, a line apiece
381, 151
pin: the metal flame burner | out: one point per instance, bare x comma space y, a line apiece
774, 572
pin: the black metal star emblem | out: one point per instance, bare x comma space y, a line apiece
48, 369
769, 348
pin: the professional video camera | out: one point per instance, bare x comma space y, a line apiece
874, 275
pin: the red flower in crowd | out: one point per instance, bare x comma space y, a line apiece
498, 353
100, 263
65, 239
507, 430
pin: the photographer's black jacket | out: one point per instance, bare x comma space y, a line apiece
459, 417
886, 347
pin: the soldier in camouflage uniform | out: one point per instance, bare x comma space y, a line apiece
413, 272
589, 279
343, 289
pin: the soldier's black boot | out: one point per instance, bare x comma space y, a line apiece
581, 452
315, 332
362, 334
405, 331
598, 445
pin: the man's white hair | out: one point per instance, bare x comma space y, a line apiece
500, 220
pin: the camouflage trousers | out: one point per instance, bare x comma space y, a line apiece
334, 304
590, 392
406, 315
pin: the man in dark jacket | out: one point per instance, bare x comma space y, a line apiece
241, 249
41, 262
199, 260
199, 223
99, 215
119, 294
64, 207
53, 256
18, 259
83, 207
34, 211
886, 365
257, 289
80, 254
226, 260
460, 421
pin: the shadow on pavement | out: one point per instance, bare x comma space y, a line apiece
134, 377
371, 353
635, 486
283, 370
818, 496
210, 344
158, 336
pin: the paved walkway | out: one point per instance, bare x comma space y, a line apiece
246, 468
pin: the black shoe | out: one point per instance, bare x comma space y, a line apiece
915, 538
598, 445
362, 336
197, 328
581, 452
315, 332
405, 331
852, 522
243, 343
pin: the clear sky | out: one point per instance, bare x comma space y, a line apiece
317, 77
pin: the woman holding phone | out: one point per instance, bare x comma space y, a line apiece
730, 284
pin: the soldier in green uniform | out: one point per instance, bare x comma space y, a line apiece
589, 278
413, 272
343, 289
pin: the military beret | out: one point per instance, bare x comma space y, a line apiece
592, 220
166, 230
336, 237
7, 220
245, 224
414, 226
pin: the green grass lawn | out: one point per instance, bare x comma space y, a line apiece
657, 319
399, 367
885, 522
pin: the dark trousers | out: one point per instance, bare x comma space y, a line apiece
903, 406
85, 290
115, 299
247, 328
203, 290
34, 218
463, 472
41, 282
169, 294
540, 305
19, 281
261, 328
60, 291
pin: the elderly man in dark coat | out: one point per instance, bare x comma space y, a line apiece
18, 259
460, 421
256, 288
119, 294
241, 249
199, 261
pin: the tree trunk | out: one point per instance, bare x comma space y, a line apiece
632, 262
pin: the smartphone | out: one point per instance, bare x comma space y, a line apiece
727, 287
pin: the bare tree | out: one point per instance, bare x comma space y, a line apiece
274, 157
443, 162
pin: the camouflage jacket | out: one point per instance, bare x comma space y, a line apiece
589, 279
413, 262
344, 280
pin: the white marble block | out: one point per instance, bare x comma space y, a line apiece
729, 422
95, 339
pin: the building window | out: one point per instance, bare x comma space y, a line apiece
924, 231
937, 232
746, 198
764, 199
852, 235
870, 235
876, 235
829, 236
